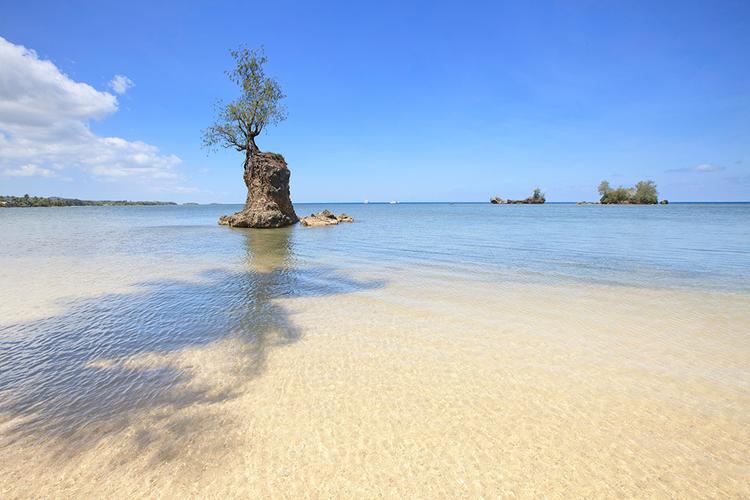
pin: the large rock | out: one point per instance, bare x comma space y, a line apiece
324, 218
268, 202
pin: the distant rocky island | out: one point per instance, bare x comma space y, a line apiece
643, 193
41, 201
536, 198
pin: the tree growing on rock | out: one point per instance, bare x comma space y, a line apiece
238, 125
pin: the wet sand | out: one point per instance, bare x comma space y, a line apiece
430, 386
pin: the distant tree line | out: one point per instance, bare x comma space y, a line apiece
40, 201
643, 193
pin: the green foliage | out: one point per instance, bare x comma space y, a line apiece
619, 195
644, 193
259, 104
40, 201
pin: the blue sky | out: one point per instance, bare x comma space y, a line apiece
419, 101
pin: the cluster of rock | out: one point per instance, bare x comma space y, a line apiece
536, 199
495, 200
268, 202
324, 218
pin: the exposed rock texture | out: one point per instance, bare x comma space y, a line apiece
324, 218
268, 203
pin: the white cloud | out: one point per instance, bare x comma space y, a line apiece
29, 171
44, 122
121, 84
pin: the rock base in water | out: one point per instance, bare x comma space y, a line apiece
324, 218
268, 203
258, 219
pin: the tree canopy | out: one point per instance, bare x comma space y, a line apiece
644, 193
258, 106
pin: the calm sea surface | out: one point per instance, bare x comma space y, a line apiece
679, 245
117, 320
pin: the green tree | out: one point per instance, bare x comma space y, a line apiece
604, 188
258, 106
645, 193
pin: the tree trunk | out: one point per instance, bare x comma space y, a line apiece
268, 202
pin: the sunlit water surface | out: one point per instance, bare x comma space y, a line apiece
150, 343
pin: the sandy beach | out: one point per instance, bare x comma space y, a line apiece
428, 387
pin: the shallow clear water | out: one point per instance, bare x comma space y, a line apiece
96, 298
679, 245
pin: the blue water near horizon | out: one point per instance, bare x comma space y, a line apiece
680, 245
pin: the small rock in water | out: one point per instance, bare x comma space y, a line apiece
324, 218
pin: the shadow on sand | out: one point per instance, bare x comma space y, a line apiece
67, 376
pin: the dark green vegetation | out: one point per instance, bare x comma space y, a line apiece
644, 193
40, 201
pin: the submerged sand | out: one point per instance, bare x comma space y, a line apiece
433, 386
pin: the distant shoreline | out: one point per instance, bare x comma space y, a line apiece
27, 201
53, 201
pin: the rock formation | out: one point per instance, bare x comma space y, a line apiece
324, 218
535, 199
268, 203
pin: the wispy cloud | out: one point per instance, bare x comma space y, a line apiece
181, 190
29, 170
701, 168
121, 84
